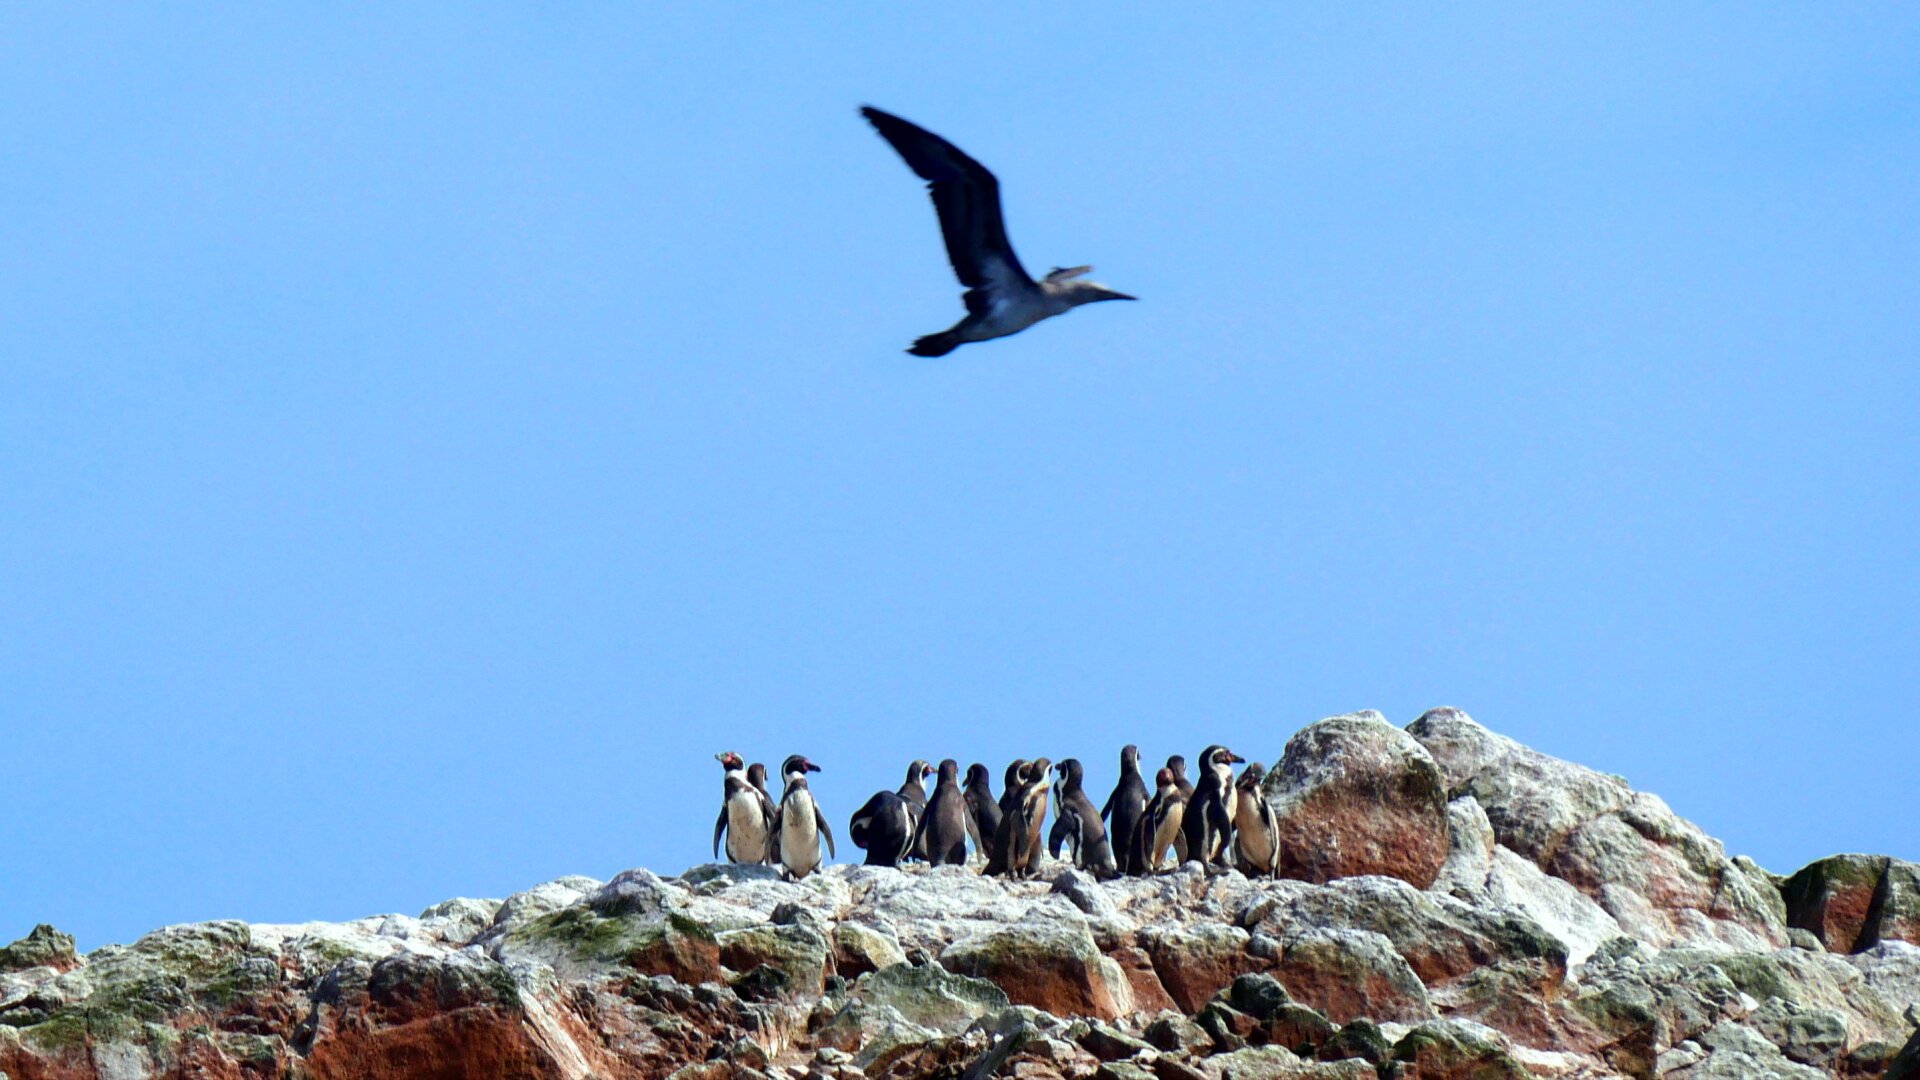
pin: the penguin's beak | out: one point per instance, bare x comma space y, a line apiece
811, 767
926, 771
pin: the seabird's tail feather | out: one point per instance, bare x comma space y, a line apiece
939, 344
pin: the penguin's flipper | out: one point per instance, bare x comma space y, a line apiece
820, 822
973, 831
1271, 818
719, 827
1058, 834
1106, 808
861, 826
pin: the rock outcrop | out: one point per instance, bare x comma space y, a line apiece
1454, 905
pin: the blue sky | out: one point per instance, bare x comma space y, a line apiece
427, 436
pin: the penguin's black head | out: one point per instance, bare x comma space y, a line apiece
1252, 777
977, 774
729, 760
1163, 778
797, 763
1069, 770
1129, 755
1016, 771
1177, 765
949, 770
1218, 755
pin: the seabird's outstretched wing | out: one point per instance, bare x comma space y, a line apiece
967, 198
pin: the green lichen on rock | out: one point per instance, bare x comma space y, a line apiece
800, 953
931, 996
42, 947
1450, 1048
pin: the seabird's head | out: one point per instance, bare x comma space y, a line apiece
1163, 779
1065, 283
1177, 765
1016, 771
729, 760
949, 770
797, 765
977, 774
1130, 755
1251, 778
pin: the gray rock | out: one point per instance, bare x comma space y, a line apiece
1804, 939
1737, 1052
1659, 876
1815, 1037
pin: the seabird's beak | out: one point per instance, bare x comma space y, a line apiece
926, 771
811, 767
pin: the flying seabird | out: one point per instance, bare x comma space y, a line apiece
1001, 299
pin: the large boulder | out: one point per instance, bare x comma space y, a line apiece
1355, 795
1830, 898
1657, 875
1194, 962
1050, 965
1351, 974
43, 947
1853, 902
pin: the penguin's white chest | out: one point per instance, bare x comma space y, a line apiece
746, 828
799, 836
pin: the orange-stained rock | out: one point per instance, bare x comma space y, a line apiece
680, 949
451, 1046
1054, 967
1196, 962
1355, 795
1350, 974
1149, 994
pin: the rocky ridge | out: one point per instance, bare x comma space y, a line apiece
1454, 904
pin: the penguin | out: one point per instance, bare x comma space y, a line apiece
1123, 809
1160, 823
746, 815
884, 827
946, 825
1010, 792
1256, 829
757, 776
1179, 766
1018, 841
799, 826
913, 789
1209, 817
984, 808
1077, 824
